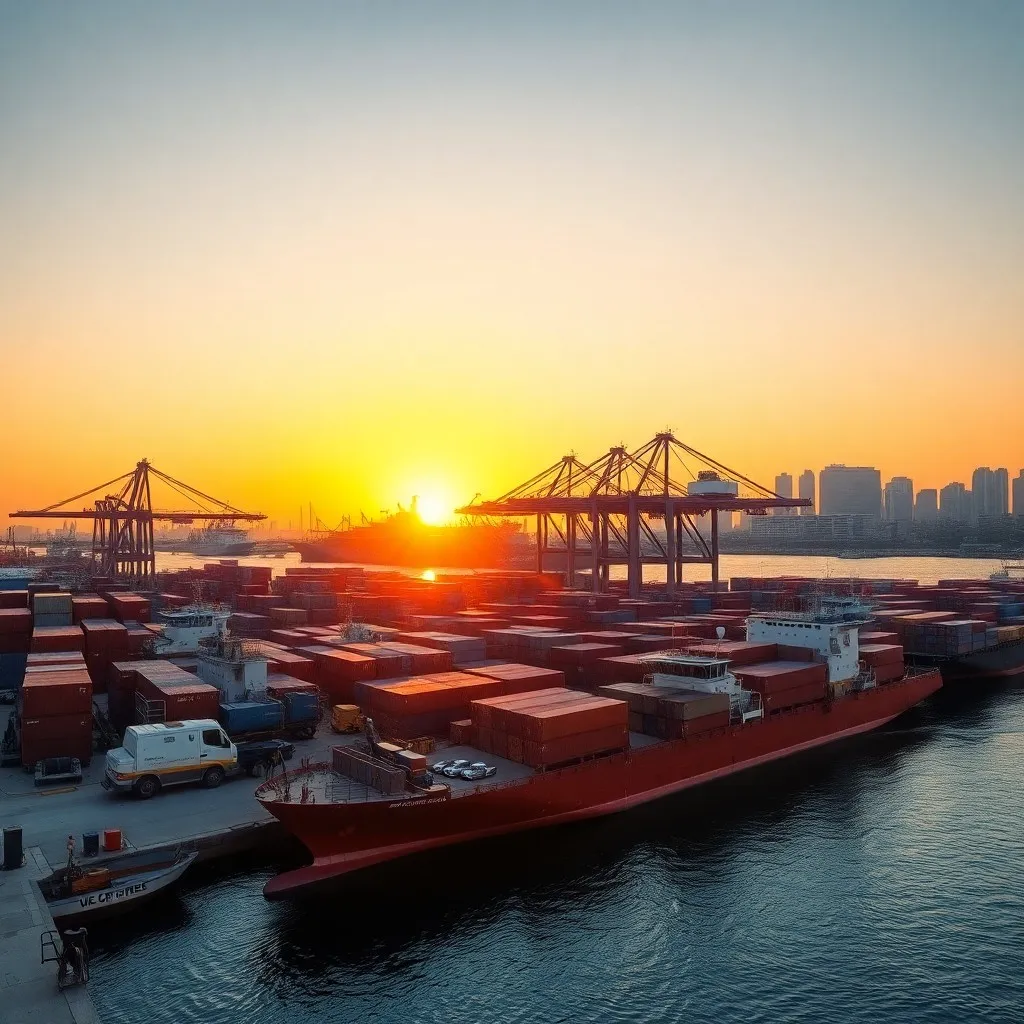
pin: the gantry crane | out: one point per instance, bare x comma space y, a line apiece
123, 517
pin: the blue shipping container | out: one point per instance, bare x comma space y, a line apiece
12, 671
251, 716
302, 707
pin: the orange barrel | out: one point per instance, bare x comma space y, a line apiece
111, 839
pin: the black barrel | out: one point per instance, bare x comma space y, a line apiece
12, 847
90, 843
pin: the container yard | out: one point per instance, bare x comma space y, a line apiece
511, 671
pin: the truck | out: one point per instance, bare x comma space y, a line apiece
168, 754
295, 715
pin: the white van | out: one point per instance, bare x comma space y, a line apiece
168, 753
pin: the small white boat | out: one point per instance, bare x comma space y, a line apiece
1009, 571
113, 885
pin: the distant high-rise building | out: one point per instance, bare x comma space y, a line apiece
991, 489
806, 490
1000, 496
926, 507
899, 499
784, 489
850, 490
955, 503
1018, 494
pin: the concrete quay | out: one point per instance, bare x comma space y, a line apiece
218, 822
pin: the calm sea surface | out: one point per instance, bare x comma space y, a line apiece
882, 880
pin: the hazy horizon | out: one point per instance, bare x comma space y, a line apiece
348, 253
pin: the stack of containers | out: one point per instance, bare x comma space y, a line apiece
290, 663
425, 705
784, 684
579, 661
250, 625
885, 659
462, 649
165, 692
88, 606
337, 672
128, 607
623, 668
57, 639
551, 728
515, 678
106, 641
56, 713
671, 713
421, 660
15, 641
52, 609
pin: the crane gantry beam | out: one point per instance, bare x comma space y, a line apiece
122, 514
611, 503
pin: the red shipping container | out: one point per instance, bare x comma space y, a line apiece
188, 700
56, 693
51, 639
776, 676
542, 725
577, 655
15, 620
13, 598
689, 728
517, 678
626, 668
47, 727
278, 686
483, 710
739, 652
88, 606
56, 736
570, 748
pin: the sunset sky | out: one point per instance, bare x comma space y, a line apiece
348, 252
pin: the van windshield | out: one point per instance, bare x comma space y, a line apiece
129, 741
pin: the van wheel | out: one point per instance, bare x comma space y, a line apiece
213, 777
147, 786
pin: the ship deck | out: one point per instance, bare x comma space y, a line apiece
324, 785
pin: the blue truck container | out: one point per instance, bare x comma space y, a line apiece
301, 707
242, 717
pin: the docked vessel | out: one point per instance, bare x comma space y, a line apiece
403, 539
220, 540
116, 884
348, 824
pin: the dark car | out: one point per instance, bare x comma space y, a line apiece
255, 757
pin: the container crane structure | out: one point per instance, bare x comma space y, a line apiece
122, 515
607, 512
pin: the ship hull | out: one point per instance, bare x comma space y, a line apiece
1002, 662
346, 837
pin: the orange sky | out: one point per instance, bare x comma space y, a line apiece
355, 258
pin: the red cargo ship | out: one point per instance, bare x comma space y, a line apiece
351, 819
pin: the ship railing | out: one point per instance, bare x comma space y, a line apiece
279, 786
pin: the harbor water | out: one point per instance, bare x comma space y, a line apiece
926, 570
878, 880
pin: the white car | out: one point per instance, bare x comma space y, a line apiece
455, 768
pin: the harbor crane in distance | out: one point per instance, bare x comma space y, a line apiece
122, 515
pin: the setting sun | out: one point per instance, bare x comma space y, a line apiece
433, 509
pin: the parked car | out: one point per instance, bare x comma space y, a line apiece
454, 769
478, 771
